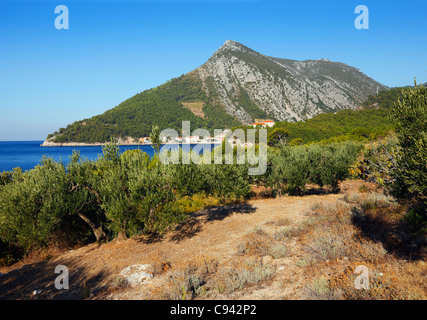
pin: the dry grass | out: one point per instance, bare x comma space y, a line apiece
331, 234
339, 237
195, 107
204, 276
235, 276
319, 289
386, 282
283, 221
256, 242
370, 200
259, 243
186, 281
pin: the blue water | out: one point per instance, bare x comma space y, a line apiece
28, 154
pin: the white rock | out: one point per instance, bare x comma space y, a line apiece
35, 292
137, 274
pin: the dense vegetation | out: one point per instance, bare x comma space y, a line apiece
384, 99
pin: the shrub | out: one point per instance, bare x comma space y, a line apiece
329, 164
136, 197
288, 171
32, 206
257, 243
410, 115
377, 162
334, 236
319, 289
278, 251
5, 177
283, 233
232, 278
185, 282
291, 168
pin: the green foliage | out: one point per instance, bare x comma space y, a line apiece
114, 196
110, 151
296, 142
155, 138
291, 168
33, 205
161, 106
215, 179
399, 161
410, 115
277, 137
329, 163
377, 162
5, 177
348, 124
384, 99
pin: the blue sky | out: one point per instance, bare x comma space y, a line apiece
115, 49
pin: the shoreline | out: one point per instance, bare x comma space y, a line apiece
100, 144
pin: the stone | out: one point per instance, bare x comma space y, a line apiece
137, 274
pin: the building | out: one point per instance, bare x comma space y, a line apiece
264, 123
192, 139
269, 123
145, 140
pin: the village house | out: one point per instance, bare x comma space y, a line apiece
264, 124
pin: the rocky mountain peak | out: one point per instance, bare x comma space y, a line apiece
251, 85
230, 45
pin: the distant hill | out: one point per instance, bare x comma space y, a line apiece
384, 98
370, 120
234, 87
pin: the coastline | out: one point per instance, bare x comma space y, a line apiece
84, 144
95, 144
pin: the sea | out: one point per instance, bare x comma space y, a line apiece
28, 154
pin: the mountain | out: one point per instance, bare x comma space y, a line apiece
235, 86
282, 89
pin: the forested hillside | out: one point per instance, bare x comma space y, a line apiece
160, 106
